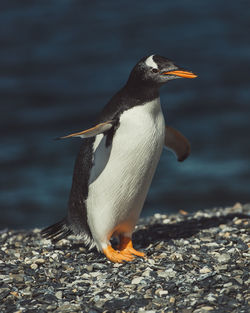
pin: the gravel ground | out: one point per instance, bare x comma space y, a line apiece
195, 263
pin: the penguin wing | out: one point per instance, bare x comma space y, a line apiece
177, 143
93, 131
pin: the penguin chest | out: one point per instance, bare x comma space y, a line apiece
122, 172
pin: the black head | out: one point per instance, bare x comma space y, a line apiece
156, 70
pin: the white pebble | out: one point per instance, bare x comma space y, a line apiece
33, 266
136, 280
205, 270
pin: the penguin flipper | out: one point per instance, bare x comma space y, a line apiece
177, 143
93, 131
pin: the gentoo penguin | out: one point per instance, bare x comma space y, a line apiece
117, 160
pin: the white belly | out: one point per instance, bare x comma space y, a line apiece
122, 173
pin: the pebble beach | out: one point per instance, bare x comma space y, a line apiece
195, 262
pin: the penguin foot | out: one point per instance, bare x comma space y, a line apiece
116, 256
126, 248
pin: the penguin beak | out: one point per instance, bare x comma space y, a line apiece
184, 74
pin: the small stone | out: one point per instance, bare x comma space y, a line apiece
33, 266
222, 226
146, 273
18, 277
207, 308
219, 268
51, 307
211, 297
151, 261
206, 239
247, 255
157, 291
162, 255
54, 256
223, 258
176, 256
15, 294
205, 276
159, 246
100, 303
157, 215
239, 280
26, 292
196, 247
232, 251
195, 257
212, 245
58, 294
237, 207
67, 307
27, 261
205, 270
89, 268
3, 277
39, 261
85, 276
172, 300
237, 221
163, 293
226, 234
169, 273
136, 280
166, 221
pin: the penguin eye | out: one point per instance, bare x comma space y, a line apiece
154, 70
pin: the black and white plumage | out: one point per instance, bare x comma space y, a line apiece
117, 161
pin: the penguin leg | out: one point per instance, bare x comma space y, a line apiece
126, 247
116, 256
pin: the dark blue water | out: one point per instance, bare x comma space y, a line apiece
62, 60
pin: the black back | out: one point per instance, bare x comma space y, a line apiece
77, 214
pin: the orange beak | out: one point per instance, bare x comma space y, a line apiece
184, 74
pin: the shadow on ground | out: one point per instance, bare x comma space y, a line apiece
184, 229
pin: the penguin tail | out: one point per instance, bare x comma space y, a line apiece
57, 231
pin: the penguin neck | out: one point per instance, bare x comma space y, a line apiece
131, 95
141, 90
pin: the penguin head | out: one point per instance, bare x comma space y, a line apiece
157, 70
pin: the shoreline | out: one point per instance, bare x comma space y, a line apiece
195, 262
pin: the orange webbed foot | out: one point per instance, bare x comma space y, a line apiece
126, 248
116, 256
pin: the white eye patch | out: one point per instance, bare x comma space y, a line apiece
150, 62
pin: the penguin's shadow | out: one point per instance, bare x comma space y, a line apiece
184, 229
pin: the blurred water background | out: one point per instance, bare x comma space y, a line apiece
62, 60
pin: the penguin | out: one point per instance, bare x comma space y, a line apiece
117, 160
